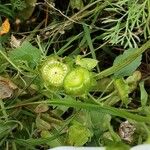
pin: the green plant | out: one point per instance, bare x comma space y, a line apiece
18, 4
74, 80
69, 72
128, 22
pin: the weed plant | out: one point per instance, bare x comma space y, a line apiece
109, 39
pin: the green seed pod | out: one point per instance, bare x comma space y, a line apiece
53, 72
78, 81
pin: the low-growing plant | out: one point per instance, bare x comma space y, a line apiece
65, 78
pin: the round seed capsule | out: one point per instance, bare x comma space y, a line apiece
77, 81
53, 72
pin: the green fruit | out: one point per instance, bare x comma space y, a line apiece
78, 81
53, 72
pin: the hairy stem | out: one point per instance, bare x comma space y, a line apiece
92, 107
105, 109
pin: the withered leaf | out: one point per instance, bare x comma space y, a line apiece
7, 88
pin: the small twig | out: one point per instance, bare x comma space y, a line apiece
78, 14
61, 12
46, 17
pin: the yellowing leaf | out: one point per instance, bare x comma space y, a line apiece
41, 108
5, 27
123, 90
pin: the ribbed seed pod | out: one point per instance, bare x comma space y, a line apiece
53, 72
77, 81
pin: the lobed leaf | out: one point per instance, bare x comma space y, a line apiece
87, 63
26, 53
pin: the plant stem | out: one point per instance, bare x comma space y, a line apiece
105, 109
93, 107
3, 110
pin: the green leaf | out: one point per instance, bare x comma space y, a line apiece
129, 69
26, 53
76, 4
42, 124
99, 120
3, 64
5, 128
123, 90
117, 146
78, 134
4, 10
18, 4
144, 95
133, 80
54, 143
87, 33
87, 63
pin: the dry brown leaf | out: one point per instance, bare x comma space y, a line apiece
7, 88
41, 108
15, 42
126, 131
